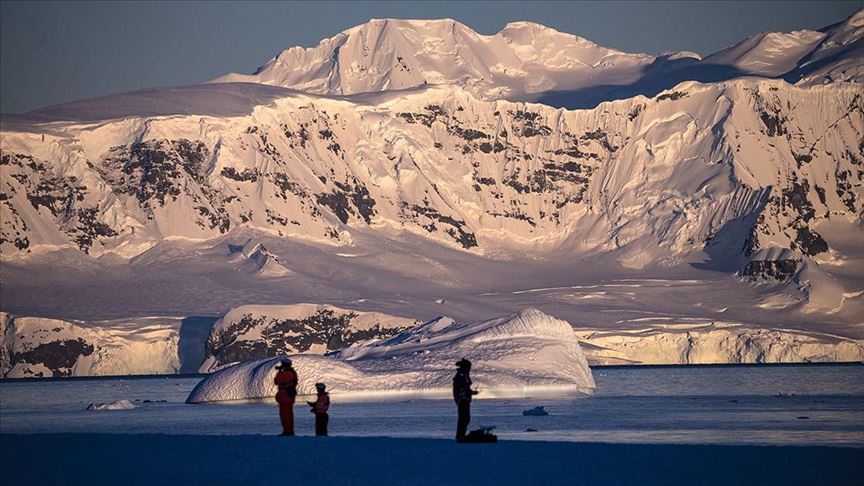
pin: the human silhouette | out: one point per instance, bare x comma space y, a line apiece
320, 407
286, 382
462, 394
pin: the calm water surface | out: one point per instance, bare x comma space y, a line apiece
806, 405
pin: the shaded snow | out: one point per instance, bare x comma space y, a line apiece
193, 459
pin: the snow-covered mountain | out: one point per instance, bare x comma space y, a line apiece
398, 160
528, 61
390, 54
726, 168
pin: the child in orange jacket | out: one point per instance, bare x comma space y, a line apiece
320, 407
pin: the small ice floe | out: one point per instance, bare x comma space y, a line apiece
535, 412
440, 301
118, 405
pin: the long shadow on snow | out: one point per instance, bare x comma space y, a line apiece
193, 336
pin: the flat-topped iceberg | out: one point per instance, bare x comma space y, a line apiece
526, 353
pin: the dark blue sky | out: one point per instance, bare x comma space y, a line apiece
52, 52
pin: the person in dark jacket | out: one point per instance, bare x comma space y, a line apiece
286, 383
320, 407
462, 394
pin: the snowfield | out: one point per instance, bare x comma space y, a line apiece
527, 353
193, 459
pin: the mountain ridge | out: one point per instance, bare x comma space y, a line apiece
567, 71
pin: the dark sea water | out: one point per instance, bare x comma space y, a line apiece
760, 404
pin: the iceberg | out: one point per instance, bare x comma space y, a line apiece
118, 405
535, 412
521, 354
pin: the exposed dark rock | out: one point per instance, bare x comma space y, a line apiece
456, 231
770, 270
248, 175
802, 159
58, 356
601, 137
469, 134
774, 123
675, 95
844, 189
531, 124
90, 229
810, 242
325, 328
361, 203
153, 171
796, 197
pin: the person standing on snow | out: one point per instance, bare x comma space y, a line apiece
462, 394
286, 382
320, 407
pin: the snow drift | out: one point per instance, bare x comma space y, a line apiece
528, 352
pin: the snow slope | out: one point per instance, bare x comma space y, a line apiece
524, 353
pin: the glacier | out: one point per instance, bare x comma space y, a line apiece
715, 343
44, 347
526, 353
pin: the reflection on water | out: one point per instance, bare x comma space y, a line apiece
727, 404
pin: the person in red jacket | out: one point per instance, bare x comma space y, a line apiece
320, 407
286, 382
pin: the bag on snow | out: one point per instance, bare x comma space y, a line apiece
480, 436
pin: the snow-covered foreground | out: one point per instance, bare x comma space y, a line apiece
522, 354
184, 459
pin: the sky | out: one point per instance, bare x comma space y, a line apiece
54, 52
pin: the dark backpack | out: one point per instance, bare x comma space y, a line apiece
480, 436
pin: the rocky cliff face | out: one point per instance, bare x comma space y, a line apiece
729, 168
254, 332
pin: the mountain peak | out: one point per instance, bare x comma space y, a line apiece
528, 61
